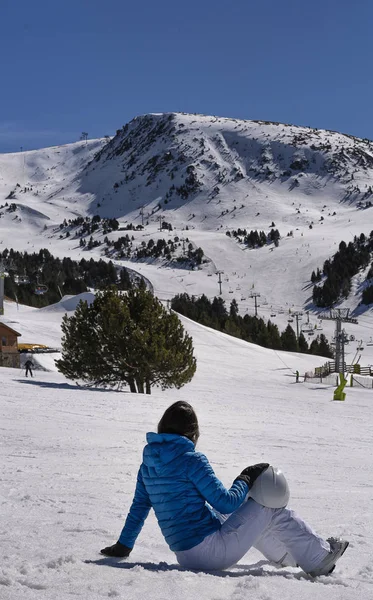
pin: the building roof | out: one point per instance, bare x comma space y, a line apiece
10, 328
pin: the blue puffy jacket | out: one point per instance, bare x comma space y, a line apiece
178, 482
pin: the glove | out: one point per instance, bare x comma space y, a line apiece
119, 550
250, 474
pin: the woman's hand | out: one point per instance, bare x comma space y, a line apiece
250, 474
119, 550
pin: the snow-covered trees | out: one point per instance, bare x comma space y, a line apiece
126, 339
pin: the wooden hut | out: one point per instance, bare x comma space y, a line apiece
9, 355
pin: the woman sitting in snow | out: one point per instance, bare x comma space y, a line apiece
192, 508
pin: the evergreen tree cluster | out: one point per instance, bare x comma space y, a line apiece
89, 225
132, 227
367, 296
338, 271
71, 277
123, 246
156, 249
251, 329
169, 250
255, 238
316, 276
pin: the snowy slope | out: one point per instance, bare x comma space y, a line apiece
69, 459
73, 180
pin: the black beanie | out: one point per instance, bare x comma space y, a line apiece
181, 419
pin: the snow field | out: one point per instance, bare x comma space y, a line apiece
70, 456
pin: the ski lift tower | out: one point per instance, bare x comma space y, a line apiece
3, 273
2, 277
340, 315
255, 295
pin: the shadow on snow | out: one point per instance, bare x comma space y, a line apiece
65, 386
255, 570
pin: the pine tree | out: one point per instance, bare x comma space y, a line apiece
302, 343
289, 340
219, 310
232, 328
324, 347
126, 339
274, 336
233, 311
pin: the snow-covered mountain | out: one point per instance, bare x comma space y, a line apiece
205, 176
179, 163
208, 165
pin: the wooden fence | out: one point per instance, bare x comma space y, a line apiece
330, 367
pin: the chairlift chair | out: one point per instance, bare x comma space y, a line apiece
306, 329
273, 314
40, 289
21, 279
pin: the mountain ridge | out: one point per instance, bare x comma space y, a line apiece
204, 177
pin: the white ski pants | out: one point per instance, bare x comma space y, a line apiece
273, 531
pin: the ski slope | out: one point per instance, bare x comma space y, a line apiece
69, 458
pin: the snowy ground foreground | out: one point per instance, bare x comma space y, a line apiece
69, 460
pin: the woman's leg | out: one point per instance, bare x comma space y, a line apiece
274, 550
269, 545
245, 527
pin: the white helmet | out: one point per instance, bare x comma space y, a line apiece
271, 489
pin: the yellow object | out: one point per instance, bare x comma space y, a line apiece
22, 347
339, 394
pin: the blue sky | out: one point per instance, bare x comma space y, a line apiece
89, 65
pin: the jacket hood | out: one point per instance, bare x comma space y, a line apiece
163, 448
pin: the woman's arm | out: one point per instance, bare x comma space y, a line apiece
139, 510
211, 488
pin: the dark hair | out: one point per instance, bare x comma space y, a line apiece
181, 419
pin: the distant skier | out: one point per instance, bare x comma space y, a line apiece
28, 365
188, 500
296, 376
